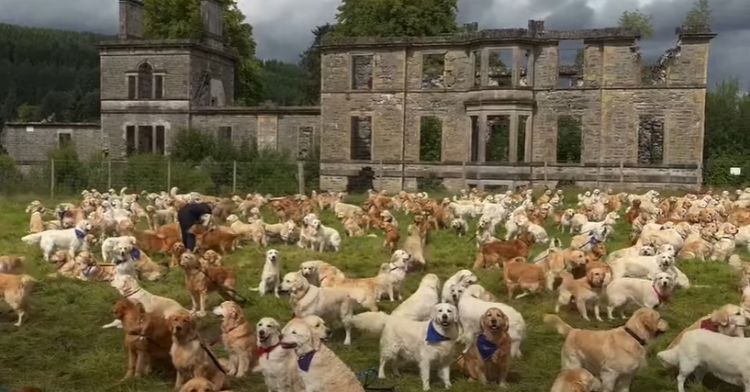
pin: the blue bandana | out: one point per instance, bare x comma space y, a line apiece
593, 241
79, 234
89, 271
135, 254
304, 361
486, 347
433, 336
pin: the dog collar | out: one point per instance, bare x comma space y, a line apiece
80, 234
433, 336
89, 270
635, 336
135, 254
266, 350
486, 347
133, 293
662, 298
709, 325
305, 361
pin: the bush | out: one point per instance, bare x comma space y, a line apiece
271, 172
10, 178
70, 174
192, 145
716, 171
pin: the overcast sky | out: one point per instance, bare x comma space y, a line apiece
282, 27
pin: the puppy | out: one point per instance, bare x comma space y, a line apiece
576, 380
238, 337
615, 355
190, 357
642, 292
428, 343
319, 367
200, 282
583, 291
489, 358
12, 264
517, 273
271, 275
14, 289
147, 337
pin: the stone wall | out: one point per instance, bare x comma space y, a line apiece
116, 63
114, 127
34, 141
207, 66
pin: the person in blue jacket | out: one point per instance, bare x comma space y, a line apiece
190, 215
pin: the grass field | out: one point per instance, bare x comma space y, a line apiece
61, 347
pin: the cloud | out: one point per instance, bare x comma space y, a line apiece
283, 27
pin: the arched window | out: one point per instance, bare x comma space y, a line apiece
145, 81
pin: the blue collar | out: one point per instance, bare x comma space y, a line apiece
135, 254
433, 336
80, 234
593, 241
89, 271
304, 361
486, 347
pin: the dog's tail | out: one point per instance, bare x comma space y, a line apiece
669, 358
370, 322
32, 239
562, 327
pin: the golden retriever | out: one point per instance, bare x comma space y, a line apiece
496, 252
488, 359
200, 281
190, 356
576, 380
238, 337
530, 278
12, 264
147, 337
14, 289
583, 291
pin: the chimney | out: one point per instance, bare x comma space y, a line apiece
131, 19
212, 13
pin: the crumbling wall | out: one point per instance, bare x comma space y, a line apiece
690, 68
585, 104
593, 64
545, 67
622, 65
650, 140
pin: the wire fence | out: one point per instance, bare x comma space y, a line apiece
153, 174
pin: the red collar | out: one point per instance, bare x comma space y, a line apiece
662, 298
266, 350
710, 325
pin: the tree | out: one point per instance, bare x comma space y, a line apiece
310, 62
394, 18
639, 22
10, 105
57, 103
698, 19
29, 113
182, 20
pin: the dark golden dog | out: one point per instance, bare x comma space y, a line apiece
488, 359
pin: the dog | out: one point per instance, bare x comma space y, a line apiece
199, 384
367, 291
391, 238
558, 261
319, 367
71, 240
15, 289
270, 277
277, 365
463, 278
460, 226
494, 253
320, 273
330, 304
190, 356
702, 351
147, 337
201, 281
129, 288
117, 247
583, 291
254, 231
517, 273
414, 245
430, 343
13, 265
488, 359
238, 337
218, 239
642, 292
471, 308
729, 320
615, 355
576, 380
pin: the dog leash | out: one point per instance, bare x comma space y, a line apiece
226, 291
212, 356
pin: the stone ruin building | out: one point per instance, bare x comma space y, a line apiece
486, 108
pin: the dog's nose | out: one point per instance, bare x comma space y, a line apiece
262, 333
445, 317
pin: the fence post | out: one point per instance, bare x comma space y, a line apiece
109, 173
599, 176
169, 174
622, 173
463, 175
234, 177
546, 185
301, 177
52, 178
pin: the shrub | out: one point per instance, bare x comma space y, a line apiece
70, 174
716, 171
10, 178
192, 145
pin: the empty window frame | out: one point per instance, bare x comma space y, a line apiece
158, 86
475, 139
361, 138
570, 64
569, 139
430, 139
145, 139
129, 140
64, 139
132, 86
477, 54
160, 139
521, 145
498, 139
145, 81
526, 68
362, 66
305, 142
433, 70
224, 134
650, 140
500, 68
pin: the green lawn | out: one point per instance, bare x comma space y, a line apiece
61, 347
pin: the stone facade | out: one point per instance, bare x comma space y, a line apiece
31, 142
515, 74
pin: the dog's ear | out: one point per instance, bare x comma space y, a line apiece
721, 317
133, 240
